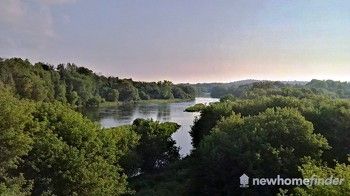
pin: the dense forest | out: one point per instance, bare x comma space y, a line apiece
50, 149
79, 86
263, 129
271, 130
332, 88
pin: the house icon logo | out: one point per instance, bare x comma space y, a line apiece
244, 181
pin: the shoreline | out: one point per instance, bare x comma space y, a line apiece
150, 101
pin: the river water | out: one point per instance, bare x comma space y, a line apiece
173, 112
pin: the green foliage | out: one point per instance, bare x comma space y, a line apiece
68, 155
236, 143
79, 86
93, 102
128, 92
109, 94
178, 93
15, 142
196, 108
339, 89
14, 138
15, 186
218, 91
113, 95
118, 142
174, 180
156, 149
208, 118
166, 91
330, 118
189, 90
144, 96
257, 145
60, 93
205, 89
228, 97
48, 148
28, 81
246, 89
259, 128
341, 171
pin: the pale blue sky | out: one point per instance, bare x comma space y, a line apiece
183, 40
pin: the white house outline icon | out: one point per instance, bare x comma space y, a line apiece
244, 181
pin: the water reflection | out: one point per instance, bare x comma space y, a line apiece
163, 113
174, 112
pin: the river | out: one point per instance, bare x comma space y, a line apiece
173, 112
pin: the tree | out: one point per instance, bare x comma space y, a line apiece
68, 155
196, 108
15, 142
165, 88
218, 92
73, 98
156, 148
260, 146
338, 89
120, 144
178, 93
41, 82
312, 169
93, 102
60, 93
127, 92
331, 118
189, 90
208, 119
113, 95
144, 96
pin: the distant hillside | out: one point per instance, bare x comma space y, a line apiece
340, 89
240, 88
207, 88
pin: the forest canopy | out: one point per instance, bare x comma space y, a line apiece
79, 86
268, 129
261, 128
50, 149
245, 88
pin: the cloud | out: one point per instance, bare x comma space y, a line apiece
28, 25
11, 11
66, 18
56, 2
20, 16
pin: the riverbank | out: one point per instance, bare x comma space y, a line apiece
171, 110
149, 101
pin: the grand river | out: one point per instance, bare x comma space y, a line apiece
173, 112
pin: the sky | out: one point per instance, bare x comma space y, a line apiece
183, 40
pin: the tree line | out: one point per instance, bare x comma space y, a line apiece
47, 148
268, 130
79, 86
332, 88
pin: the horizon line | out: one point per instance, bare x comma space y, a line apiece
184, 82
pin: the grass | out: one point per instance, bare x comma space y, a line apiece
159, 101
109, 104
150, 101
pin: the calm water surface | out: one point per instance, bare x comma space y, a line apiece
173, 112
